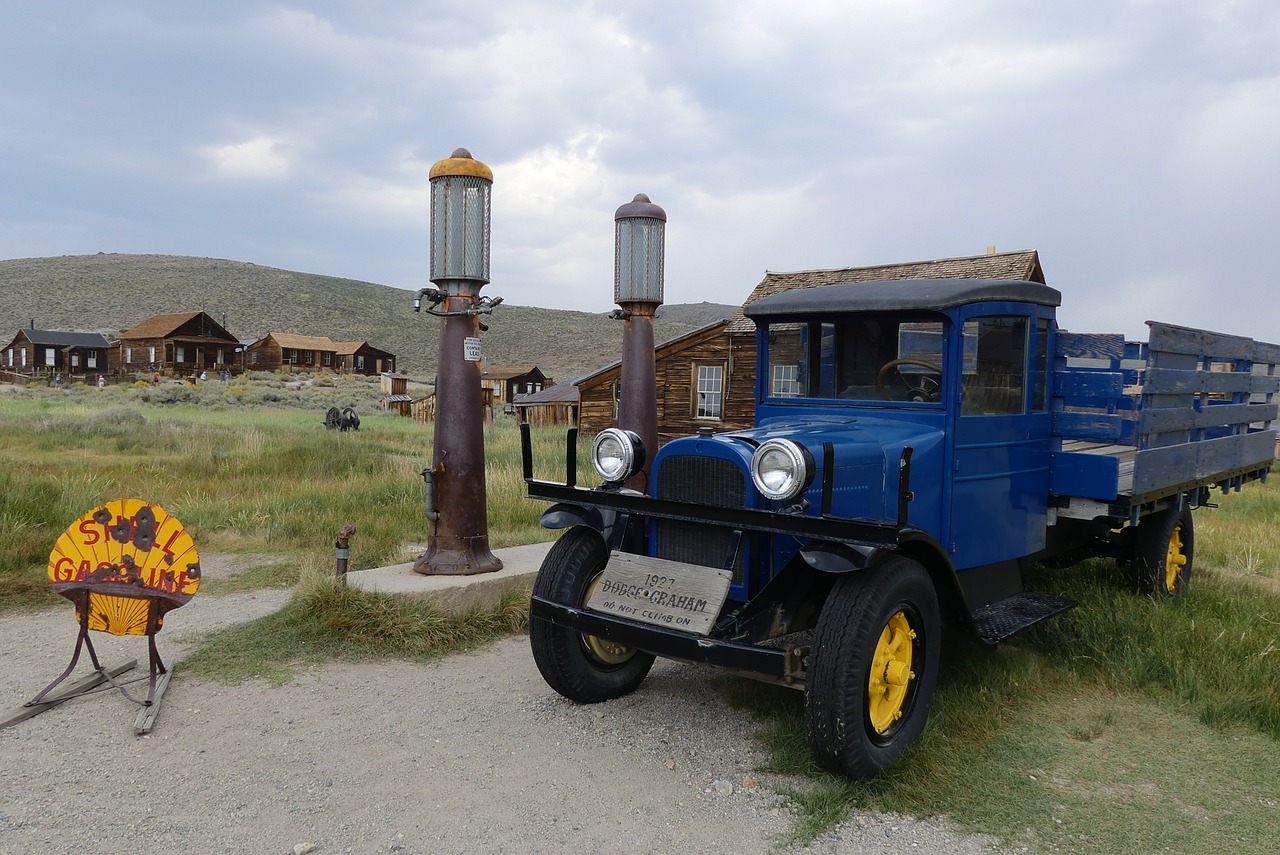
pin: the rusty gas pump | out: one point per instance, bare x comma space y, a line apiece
455, 484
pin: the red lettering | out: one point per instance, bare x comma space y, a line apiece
90, 532
172, 537
64, 570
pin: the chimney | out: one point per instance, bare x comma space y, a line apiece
991, 250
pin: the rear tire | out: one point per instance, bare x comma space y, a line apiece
584, 668
1164, 553
872, 669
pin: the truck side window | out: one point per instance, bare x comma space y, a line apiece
995, 366
1040, 380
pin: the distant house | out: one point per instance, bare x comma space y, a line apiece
554, 405
508, 381
285, 351
360, 357
181, 344
33, 351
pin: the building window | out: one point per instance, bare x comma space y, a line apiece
359, 363
179, 354
24, 357
220, 360
253, 357
75, 360
710, 392
327, 358
152, 358
786, 381
11, 357
50, 356
128, 356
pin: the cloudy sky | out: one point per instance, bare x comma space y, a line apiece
1135, 144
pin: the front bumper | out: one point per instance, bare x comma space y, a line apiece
766, 663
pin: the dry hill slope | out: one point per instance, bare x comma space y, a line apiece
112, 292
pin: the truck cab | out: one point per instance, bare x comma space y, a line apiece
903, 469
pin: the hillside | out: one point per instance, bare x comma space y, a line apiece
111, 292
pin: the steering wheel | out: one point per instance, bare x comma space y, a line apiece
920, 387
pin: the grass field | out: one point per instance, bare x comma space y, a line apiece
1126, 725
242, 479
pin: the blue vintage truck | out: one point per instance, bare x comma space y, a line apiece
917, 443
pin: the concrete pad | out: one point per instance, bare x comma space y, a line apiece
458, 594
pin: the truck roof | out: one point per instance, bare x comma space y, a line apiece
891, 295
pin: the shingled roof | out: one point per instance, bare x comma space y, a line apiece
303, 342
1024, 264
158, 326
65, 339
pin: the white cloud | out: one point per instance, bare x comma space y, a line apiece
266, 157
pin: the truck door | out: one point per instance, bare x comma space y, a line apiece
1000, 465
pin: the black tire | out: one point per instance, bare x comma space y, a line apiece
583, 668
851, 727
1164, 553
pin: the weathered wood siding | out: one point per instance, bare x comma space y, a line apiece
676, 376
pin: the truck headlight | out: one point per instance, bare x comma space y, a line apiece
617, 454
781, 469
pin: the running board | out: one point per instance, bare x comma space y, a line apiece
998, 621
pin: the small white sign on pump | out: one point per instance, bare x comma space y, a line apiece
471, 349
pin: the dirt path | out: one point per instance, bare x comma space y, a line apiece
473, 754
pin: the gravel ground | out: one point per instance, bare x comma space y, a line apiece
473, 754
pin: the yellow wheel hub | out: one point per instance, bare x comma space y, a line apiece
891, 673
600, 649
1175, 561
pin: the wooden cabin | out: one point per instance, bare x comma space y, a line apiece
181, 344
395, 394
360, 357
74, 354
508, 381
693, 374
277, 351
552, 406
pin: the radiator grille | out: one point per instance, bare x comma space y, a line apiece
704, 481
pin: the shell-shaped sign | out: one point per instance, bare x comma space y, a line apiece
123, 561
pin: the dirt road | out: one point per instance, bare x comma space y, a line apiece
473, 754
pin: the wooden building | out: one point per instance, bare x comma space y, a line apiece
360, 357
508, 381
395, 394
554, 405
75, 354
277, 351
181, 344
692, 373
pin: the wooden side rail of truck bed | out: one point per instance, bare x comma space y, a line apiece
1135, 422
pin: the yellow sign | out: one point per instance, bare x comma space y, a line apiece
118, 558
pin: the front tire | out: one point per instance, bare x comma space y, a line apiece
872, 669
1164, 553
584, 668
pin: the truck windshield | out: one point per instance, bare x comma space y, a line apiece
870, 358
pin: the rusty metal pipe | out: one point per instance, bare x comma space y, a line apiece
343, 553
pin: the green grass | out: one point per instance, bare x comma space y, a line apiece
1125, 725
327, 621
241, 479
